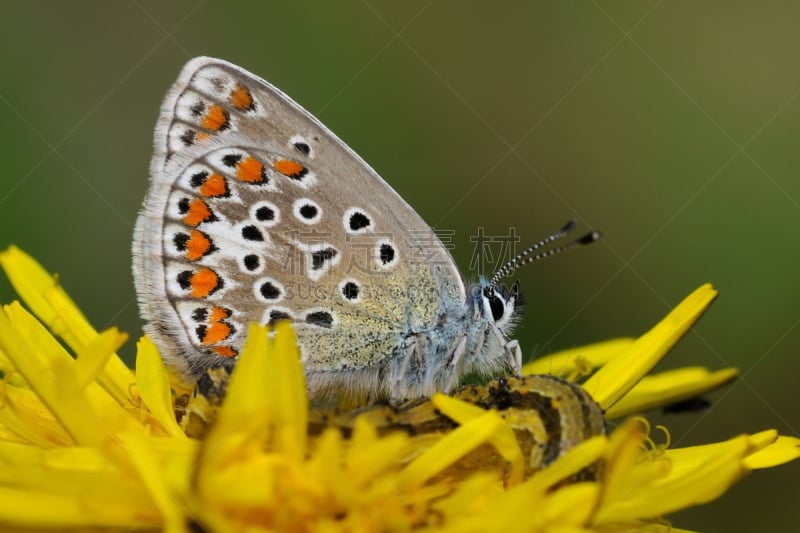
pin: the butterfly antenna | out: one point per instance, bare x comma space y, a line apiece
525, 257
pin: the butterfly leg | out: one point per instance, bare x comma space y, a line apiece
398, 391
512, 350
514, 354
476, 350
458, 354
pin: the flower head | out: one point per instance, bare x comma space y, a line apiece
85, 442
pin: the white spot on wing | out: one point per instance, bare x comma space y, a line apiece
276, 214
298, 139
354, 211
300, 205
359, 289
259, 293
378, 254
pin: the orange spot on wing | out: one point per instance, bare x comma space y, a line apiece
241, 98
216, 332
250, 170
197, 246
224, 351
216, 119
289, 168
201, 136
198, 212
219, 313
204, 282
214, 186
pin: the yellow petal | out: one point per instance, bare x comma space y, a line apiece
565, 362
368, 455
624, 451
577, 458
504, 440
451, 448
30, 281
669, 387
87, 412
326, 463
145, 460
619, 376
782, 450
20, 509
153, 385
41, 292
245, 417
72, 458
251, 373
5, 363
469, 498
38, 357
115, 377
288, 395
256, 414
697, 476
93, 357
26, 419
568, 506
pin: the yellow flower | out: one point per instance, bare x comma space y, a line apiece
86, 443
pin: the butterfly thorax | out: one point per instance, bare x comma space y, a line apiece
470, 337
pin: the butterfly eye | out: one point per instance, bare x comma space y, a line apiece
496, 304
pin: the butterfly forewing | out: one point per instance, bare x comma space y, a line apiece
256, 212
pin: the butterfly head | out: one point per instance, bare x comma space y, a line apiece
503, 306
498, 304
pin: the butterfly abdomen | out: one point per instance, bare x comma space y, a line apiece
549, 415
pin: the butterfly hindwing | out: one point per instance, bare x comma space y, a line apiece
257, 212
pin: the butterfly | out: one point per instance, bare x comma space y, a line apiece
256, 212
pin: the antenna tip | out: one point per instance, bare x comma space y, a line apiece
589, 238
568, 226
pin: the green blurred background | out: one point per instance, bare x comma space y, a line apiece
670, 126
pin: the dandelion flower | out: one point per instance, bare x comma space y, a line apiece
87, 443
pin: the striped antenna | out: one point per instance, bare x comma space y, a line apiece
525, 257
